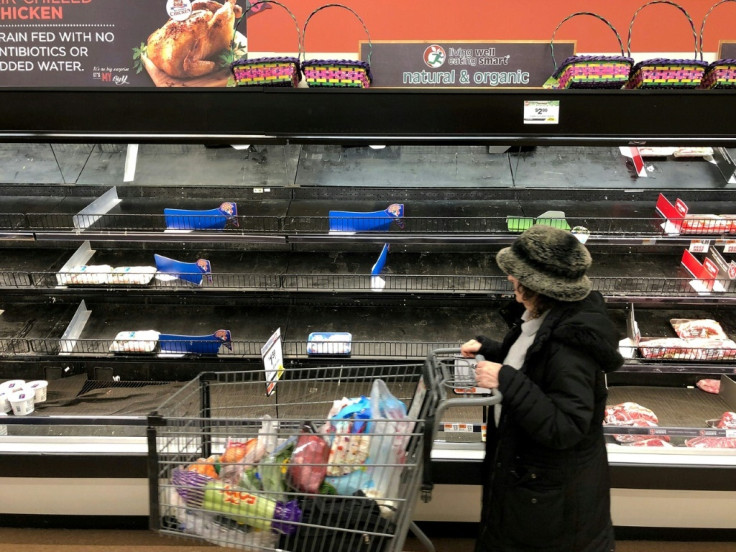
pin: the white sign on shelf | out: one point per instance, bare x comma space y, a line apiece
273, 361
541, 113
699, 246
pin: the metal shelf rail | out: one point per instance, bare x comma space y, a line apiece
614, 288
683, 359
317, 228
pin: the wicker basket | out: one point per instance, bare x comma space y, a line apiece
590, 71
721, 73
268, 71
663, 72
337, 72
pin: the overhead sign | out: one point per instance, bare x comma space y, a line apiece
118, 43
510, 64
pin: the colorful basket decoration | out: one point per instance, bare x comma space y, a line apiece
721, 73
337, 72
663, 72
590, 71
268, 71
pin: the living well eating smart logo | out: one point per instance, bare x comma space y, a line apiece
434, 56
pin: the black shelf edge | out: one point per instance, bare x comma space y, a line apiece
374, 116
444, 472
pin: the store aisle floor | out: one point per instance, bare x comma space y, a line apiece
82, 540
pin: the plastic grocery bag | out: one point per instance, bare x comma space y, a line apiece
240, 455
390, 431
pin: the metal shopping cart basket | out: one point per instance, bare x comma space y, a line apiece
327, 461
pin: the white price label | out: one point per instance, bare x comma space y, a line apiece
699, 246
729, 246
542, 113
273, 361
458, 428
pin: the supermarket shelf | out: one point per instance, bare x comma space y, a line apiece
312, 115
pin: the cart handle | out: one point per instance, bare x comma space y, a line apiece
433, 368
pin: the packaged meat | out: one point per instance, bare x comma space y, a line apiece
329, 343
703, 328
704, 224
627, 413
132, 275
144, 341
712, 442
726, 421
709, 385
633, 438
308, 464
675, 348
90, 275
667, 348
651, 442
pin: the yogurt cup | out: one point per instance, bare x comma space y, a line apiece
12, 385
4, 402
39, 387
22, 402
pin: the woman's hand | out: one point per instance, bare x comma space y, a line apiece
470, 348
486, 374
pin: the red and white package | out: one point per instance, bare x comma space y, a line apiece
628, 412
704, 224
709, 385
698, 328
675, 348
652, 442
712, 442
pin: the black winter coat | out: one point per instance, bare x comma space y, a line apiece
546, 473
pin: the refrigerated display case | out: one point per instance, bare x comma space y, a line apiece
67, 205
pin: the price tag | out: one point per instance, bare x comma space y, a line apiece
273, 361
699, 246
458, 428
542, 113
729, 246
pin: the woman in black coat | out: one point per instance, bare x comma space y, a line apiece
546, 481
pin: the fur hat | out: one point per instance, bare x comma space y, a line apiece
549, 261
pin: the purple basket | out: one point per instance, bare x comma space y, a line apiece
337, 73
663, 72
667, 73
269, 71
593, 72
720, 73
590, 71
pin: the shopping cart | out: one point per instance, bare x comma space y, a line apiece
237, 466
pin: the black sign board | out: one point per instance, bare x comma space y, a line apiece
727, 50
420, 64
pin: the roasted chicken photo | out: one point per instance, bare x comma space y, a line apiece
184, 49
